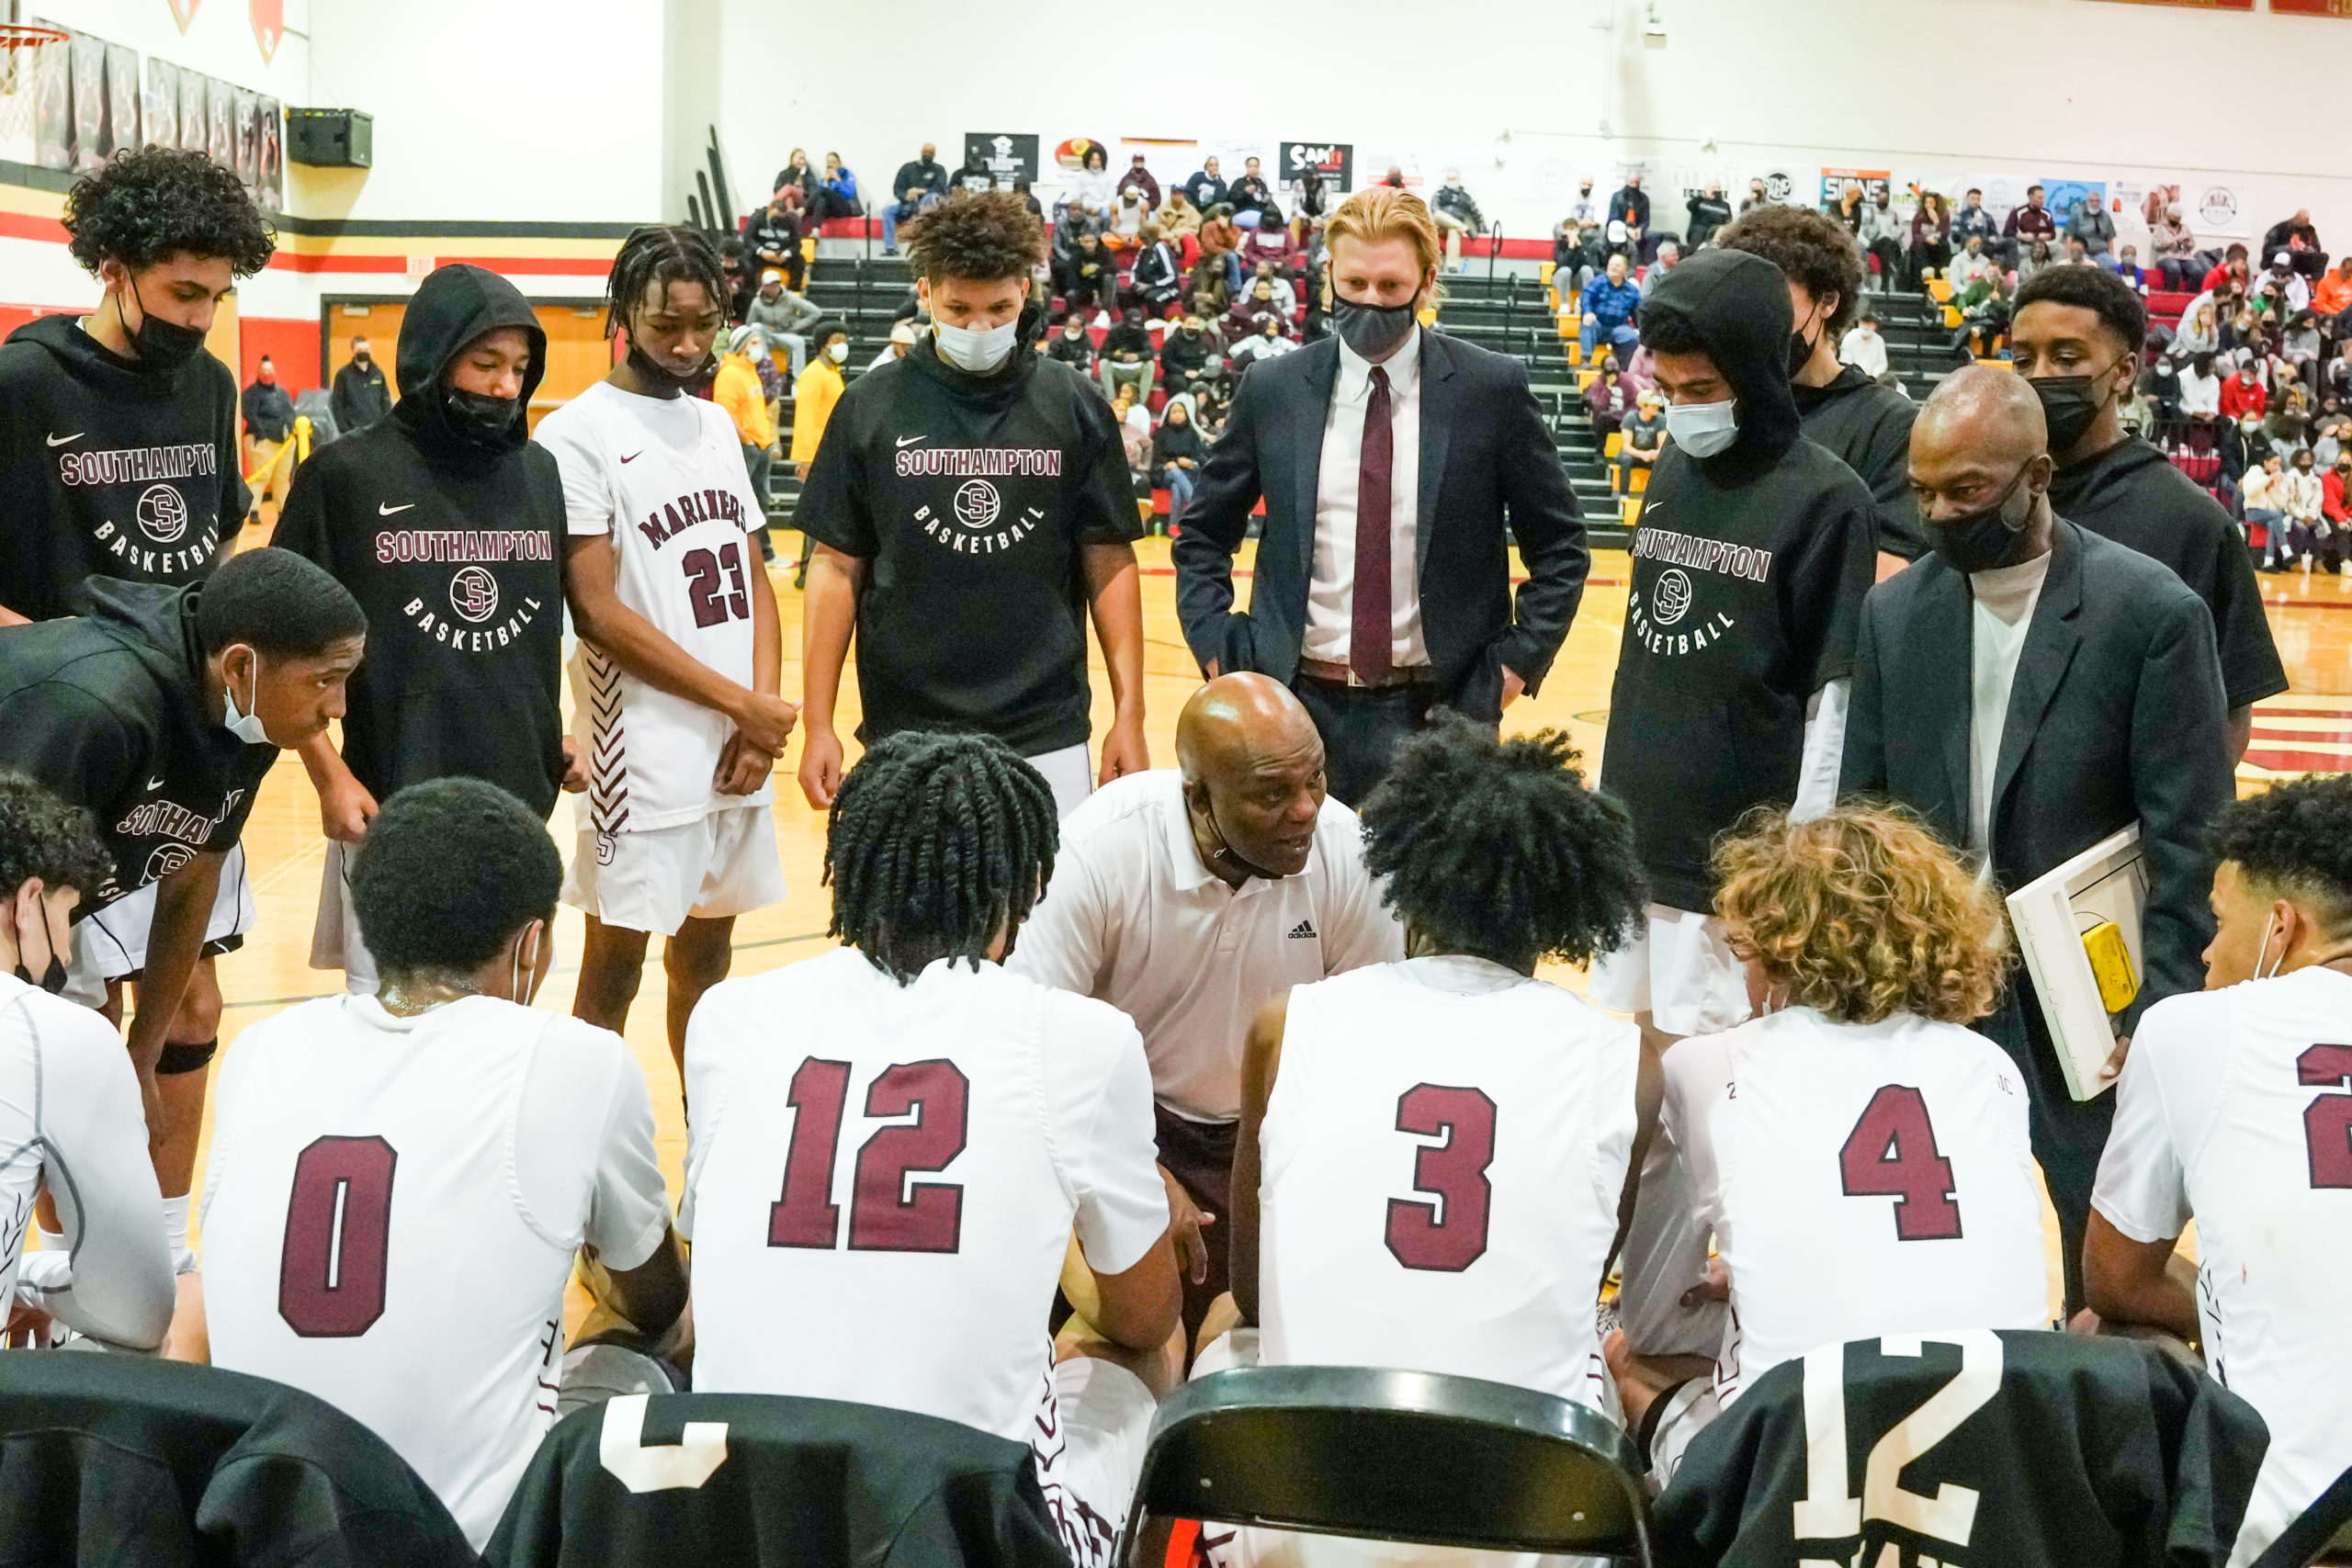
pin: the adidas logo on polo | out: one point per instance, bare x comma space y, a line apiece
1304, 929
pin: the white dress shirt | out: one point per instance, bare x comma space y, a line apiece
1330, 586
2003, 615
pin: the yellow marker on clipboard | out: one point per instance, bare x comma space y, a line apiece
2111, 965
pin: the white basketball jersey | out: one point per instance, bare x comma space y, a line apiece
1444, 1151
2256, 1086
665, 478
1861, 1179
369, 1230
882, 1179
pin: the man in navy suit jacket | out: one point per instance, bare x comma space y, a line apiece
1444, 445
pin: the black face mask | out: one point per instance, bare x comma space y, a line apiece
480, 418
664, 380
1984, 538
53, 982
1800, 351
1373, 331
164, 346
2069, 406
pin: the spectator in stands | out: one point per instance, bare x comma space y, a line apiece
1243, 320
1631, 206
922, 181
1394, 178
2172, 250
2077, 253
1457, 214
2303, 499
2243, 443
1984, 308
2333, 294
1972, 222
2163, 382
2025, 225
2125, 264
1071, 345
1607, 402
1969, 264
2243, 393
1092, 184
2135, 415
1668, 252
975, 174
775, 240
1862, 347
2197, 332
1122, 226
2260, 501
1708, 212
362, 393
1206, 188
2302, 348
839, 191
1610, 303
1188, 356
2231, 269
1220, 238
2091, 223
1314, 202
1129, 357
1881, 233
1074, 221
902, 338
803, 181
2038, 257
1269, 244
1269, 341
1157, 278
816, 391
1250, 192
1177, 453
2335, 503
1139, 178
2297, 237
1930, 251
1643, 438
2282, 284
1179, 217
1135, 429
784, 317
1285, 297
736, 271
737, 389
1088, 281
269, 426
1584, 212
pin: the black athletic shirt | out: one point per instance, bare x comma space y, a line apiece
969, 498
109, 471
1868, 428
455, 552
106, 710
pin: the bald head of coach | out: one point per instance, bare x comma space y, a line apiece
1188, 897
1398, 465
2030, 688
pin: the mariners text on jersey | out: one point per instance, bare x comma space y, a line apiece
695, 506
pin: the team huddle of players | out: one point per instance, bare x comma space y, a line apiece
1054, 1025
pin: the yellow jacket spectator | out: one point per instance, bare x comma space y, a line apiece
818, 389
737, 390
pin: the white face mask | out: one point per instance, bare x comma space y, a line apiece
1703, 429
2259, 972
977, 351
837, 352
245, 727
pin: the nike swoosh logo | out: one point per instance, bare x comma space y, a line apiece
384, 511
157, 783
911, 440
633, 456
62, 440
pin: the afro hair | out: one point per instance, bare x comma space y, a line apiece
146, 207
1812, 247
979, 236
450, 872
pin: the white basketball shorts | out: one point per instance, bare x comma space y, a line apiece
112, 944
1089, 1461
724, 863
1679, 971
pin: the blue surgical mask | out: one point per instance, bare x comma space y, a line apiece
245, 727
1703, 429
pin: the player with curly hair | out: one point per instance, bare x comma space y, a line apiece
969, 506
681, 651
919, 1283
1519, 1109
2233, 1110
1861, 1157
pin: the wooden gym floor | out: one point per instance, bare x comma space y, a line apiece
2308, 729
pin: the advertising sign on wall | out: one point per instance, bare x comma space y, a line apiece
1007, 155
1335, 161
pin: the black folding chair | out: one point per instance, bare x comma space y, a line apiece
2322, 1533
1393, 1456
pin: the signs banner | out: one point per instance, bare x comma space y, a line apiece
2218, 209
1335, 161
1875, 183
1007, 155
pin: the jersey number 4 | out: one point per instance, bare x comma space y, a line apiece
885, 1214
1450, 1234
2327, 1122
1892, 1153
338, 1237
714, 604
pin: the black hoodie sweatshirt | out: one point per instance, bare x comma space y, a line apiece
1750, 568
108, 470
106, 708
454, 550
1868, 428
2132, 494
969, 499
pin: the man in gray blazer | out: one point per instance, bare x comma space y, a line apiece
1401, 462
2030, 688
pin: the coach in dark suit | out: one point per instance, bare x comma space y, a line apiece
2030, 688
1393, 462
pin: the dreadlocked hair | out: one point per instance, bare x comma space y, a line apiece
659, 254
937, 845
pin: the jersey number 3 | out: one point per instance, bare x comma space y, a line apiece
1892, 1153
714, 604
1449, 1235
885, 1213
2327, 1122
338, 1237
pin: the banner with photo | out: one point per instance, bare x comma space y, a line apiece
160, 103
53, 107
1009, 156
90, 145
271, 117
123, 107
220, 122
1334, 161
2062, 194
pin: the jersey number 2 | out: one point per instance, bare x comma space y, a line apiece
712, 604
338, 1237
1449, 1235
2327, 1122
1892, 1151
884, 1215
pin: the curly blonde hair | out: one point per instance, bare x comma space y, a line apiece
1862, 913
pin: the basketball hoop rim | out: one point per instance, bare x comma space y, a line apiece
30, 35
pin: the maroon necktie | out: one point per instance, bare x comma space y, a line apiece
1369, 637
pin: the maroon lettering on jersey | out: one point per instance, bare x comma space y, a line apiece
331, 1276
2327, 1121
886, 1214
1892, 1153
805, 1215
1448, 1234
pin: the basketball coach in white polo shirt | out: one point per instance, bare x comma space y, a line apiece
1188, 897
1397, 465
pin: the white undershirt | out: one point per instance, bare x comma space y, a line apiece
1330, 586
2005, 597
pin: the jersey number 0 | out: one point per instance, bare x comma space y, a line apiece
885, 1213
338, 1238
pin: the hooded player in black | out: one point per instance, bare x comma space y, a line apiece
969, 506
445, 523
118, 454
160, 712
1755, 550
1864, 426
2076, 340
